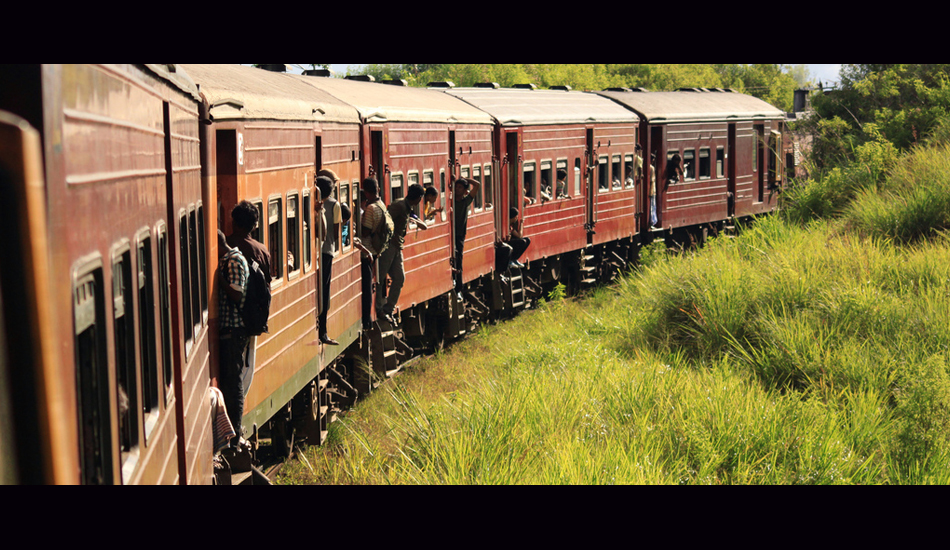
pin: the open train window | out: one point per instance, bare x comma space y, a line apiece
306, 213
125, 360
477, 176
275, 242
616, 172
487, 188
202, 264
629, 171
148, 357
293, 235
689, 164
345, 235
577, 177
530, 181
185, 282
720, 162
704, 163
603, 173
92, 379
547, 180
165, 307
193, 263
256, 232
414, 180
397, 191
562, 189
442, 193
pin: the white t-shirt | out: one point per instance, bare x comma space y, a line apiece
332, 214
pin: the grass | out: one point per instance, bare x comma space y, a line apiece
802, 352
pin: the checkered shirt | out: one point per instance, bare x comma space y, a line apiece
237, 271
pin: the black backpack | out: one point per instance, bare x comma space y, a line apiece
256, 301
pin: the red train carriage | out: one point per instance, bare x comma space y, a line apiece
128, 281
541, 132
731, 146
410, 136
270, 136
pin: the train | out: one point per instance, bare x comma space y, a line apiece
116, 179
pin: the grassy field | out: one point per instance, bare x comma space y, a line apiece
799, 353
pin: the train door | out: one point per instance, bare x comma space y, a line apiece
589, 184
378, 164
515, 189
731, 169
759, 161
657, 150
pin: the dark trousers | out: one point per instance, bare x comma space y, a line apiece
326, 276
518, 246
459, 250
502, 256
233, 349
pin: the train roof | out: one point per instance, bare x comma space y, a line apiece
179, 79
240, 92
523, 107
688, 106
379, 102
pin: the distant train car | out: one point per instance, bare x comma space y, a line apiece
270, 134
411, 136
588, 138
730, 145
126, 227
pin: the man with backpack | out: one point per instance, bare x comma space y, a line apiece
391, 261
244, 218
377, 230
231, 332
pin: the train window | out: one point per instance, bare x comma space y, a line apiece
397, 190
616, 172
477, 176
720, 162
561, 188
628, 171
147, 355
165, 303
442, 192
274, 241
127, 387
414, 180
530, 183
256, 232
92, 380
603, 173
293, 235
487, 188
689, 164
547, 180
355, 207
704, 163
307, 215
345, 225
193, 239
202, 263
577, 177
185, 283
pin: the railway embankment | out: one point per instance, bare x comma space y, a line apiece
811, 349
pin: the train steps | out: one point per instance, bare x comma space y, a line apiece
385, 361
588, 271
515, 292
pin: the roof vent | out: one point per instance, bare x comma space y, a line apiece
689, 90
493, 85
525, 86
441, 84
317, 72
639, 90
275, 67
396, 82
617, 89
362, 77
562, 88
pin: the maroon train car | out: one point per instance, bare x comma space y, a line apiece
270, 135
409, 136
731, 146
126, 223
541, 132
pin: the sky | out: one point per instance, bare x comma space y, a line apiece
824, 73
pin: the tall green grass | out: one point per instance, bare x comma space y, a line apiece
802, 352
